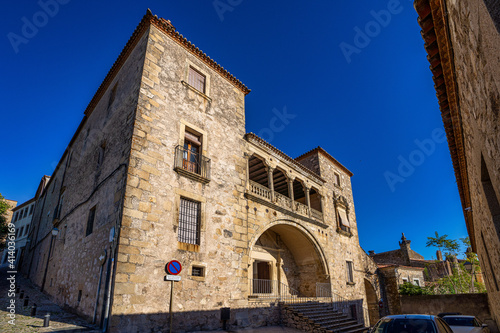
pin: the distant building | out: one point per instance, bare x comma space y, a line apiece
21, 218
161, 168
462, 40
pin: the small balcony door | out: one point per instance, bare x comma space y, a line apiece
191, 156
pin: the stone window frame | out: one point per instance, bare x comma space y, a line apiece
418, 282
349, 270
179, 193
200, 265
339, 185
195, 130
189, 64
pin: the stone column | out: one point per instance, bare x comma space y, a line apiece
322, 203
270, 171
247, 163
290, 193
308, 199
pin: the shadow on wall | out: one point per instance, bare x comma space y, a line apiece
257, 315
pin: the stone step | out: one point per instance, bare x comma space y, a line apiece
327, 315
344, 329
336, 323
359, 330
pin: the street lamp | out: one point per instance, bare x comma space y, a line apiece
54, 232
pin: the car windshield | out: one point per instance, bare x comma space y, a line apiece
459, 321
405, 325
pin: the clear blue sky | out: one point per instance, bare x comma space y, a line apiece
367, 109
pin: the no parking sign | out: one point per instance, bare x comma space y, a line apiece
173, 267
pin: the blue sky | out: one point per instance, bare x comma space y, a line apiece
352, 74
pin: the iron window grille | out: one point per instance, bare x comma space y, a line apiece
198, 271
189, 222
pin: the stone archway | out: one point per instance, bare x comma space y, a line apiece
371, 300
286, 257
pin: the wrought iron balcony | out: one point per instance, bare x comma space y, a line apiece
192, 165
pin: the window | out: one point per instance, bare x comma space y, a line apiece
26, 230
337, 179
190, 160
189, 221
405, 280
196, 79
90, 221
191, 156
21, 232
198, 271
416, 282
350, 275
25, 212
344, 223
31, 209
112, 95
14, 219
100, 154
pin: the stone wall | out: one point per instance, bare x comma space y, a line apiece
467, 304
476, 49
90, 174
148, 237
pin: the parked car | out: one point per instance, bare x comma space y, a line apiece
466, 324
411, 323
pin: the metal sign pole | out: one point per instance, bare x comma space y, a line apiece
171, 297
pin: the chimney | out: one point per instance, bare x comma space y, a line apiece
439, 255
371, 252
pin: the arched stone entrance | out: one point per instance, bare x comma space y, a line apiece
286, 259
371, 300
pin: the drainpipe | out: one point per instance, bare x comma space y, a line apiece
102, 258
112, 263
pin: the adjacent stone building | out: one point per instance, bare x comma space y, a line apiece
161, 168
462, 40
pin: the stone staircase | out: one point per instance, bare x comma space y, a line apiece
320, 318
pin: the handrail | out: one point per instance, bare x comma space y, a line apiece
260, 190
273, 290
192, 162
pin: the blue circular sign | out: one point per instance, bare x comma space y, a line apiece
173, 267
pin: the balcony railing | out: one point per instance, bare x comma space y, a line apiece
192, 165
301, 208
316, 214
260, 190
282, 200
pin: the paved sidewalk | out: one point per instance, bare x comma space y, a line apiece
60, 320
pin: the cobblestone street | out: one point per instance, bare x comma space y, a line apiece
60, 320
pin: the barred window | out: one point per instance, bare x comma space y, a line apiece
189, 221
196, 80
350, 276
